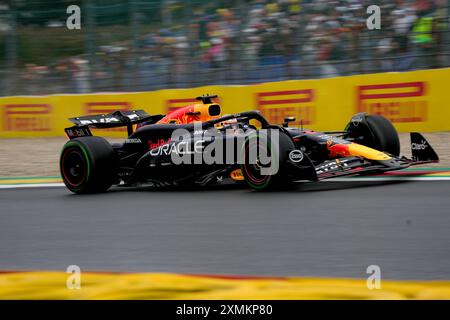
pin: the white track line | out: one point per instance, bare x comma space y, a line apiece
398, 178
354, 179
31, 185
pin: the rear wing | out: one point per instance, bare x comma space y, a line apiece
111, 120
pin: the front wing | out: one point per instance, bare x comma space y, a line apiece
421, 150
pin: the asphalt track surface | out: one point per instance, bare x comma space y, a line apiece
326, 229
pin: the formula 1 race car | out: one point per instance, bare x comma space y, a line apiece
201, 137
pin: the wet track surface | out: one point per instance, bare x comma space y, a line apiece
332, 229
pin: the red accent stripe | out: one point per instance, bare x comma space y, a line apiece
103, 111
280, 93
120, 103
8, 108
91, 107
180, 100
420, 86
284, 101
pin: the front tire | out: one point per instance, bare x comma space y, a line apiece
88, 165
377, 132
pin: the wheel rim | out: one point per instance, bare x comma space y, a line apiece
74, 167
253, 170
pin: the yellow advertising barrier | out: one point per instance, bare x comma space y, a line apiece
413, 101
59, 285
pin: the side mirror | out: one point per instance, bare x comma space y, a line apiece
287, 120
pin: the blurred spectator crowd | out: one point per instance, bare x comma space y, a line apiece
257, 41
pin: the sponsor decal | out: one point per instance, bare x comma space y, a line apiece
180, 148
237, 175
398, 102
133, 140
276, 105
217, 147
158, 143
77, 132
27, 117
93, 108
329, 142
332, 139
326, 137
106, 119
296, 156
200, 132
419, 146
356, 120
331, 166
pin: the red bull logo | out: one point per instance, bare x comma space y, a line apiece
338, 150
342, 150
158, 143
181, 115
174, 104
398, 102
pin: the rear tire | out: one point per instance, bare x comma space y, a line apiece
378, 133
88, 165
